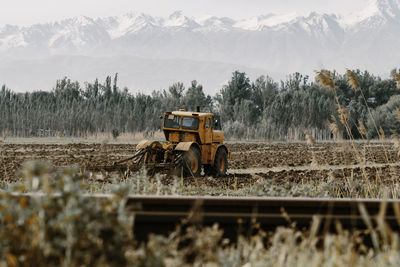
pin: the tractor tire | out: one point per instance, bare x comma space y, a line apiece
208, 170
192, 162
220, 163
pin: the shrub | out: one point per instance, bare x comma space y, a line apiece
60, 224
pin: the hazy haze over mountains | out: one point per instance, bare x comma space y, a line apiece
152, 52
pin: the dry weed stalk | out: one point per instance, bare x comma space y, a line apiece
396, 140
352, 79
396, 77
325, 79
363, 130
310, 139
311, 142
355, 85
344, 114
334, 127
382, 133
367, 220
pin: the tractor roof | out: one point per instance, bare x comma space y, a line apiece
189, 113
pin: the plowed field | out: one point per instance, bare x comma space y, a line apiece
249, 163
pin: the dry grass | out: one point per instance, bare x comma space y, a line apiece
325, 79
352, 79
396, 77
284, 247
310, 139
363, 130
69, 231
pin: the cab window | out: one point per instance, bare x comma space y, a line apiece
208, 123
190, 123
217, 123
172, 121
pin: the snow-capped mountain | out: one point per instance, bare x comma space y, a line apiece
127, 24
377, 13
273, 44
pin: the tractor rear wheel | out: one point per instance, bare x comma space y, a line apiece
192, 162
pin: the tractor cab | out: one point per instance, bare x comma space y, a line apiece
184, 126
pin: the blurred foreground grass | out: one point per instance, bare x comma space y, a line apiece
72, 230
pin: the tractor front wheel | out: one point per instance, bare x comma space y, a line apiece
220, 163
192, 162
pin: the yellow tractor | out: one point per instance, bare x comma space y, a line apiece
194, 140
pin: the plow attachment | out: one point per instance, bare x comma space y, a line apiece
154, 157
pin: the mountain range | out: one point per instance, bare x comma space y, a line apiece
152, 52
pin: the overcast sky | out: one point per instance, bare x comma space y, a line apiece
27, 12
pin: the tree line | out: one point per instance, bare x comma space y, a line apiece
259, 109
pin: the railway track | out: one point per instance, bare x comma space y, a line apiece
161, 214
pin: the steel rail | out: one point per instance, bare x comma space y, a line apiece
161, 214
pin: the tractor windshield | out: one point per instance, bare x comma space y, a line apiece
190, 123
172, 121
